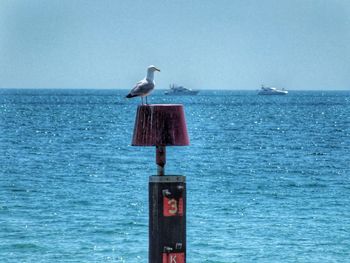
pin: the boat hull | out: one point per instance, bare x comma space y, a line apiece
189, 93
273, 93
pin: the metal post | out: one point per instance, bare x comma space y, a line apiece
167, 219
160, 160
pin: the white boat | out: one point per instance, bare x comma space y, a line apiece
180, 90
272, 91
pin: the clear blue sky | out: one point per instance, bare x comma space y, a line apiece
223, 44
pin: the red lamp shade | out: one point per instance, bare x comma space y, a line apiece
160, 125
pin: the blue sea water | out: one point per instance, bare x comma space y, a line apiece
268, 177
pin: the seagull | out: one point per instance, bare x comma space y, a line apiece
144, 87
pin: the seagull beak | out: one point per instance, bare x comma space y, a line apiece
158, 69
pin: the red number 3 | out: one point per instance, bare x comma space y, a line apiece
172, 207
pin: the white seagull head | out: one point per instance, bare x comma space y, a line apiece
152, 69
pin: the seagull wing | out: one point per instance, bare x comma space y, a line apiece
142, 88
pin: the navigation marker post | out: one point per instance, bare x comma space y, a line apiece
162, 125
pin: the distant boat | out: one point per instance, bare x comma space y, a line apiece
272, 91
180, 90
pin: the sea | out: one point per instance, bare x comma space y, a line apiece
268, 177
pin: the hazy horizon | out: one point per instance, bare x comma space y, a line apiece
200, 44
159, 89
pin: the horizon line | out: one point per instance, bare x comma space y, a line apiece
162, 89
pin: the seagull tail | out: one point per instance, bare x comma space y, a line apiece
130, 96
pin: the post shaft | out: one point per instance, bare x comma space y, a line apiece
160, 160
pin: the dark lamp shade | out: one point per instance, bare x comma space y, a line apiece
160, 125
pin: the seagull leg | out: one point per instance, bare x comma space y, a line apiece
146, 101
142, 100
